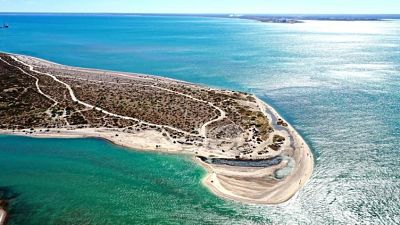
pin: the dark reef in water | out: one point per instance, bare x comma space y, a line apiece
6, 193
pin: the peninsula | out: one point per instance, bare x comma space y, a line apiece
250, 153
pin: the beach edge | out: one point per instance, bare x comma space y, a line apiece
301, 175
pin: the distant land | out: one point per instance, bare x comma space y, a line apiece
300, 18
265, 18
251, 154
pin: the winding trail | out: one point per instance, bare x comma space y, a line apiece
36, 82
203, 131
75, 99
203, 127
231, 182
37, 87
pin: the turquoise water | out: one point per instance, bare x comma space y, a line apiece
338, 83
88, 181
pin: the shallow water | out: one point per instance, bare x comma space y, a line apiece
89, 181
337, 83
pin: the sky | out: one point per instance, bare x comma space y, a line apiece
206, 6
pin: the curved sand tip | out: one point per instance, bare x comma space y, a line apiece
264, 185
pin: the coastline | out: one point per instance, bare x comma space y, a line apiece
146, 141
273, 184
279, 194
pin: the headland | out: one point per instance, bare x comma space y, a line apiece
250, 153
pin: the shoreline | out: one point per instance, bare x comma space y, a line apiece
145, 142
253, 130
289, 188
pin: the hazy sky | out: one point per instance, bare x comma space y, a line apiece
204, 6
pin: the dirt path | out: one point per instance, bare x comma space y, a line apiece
87, 105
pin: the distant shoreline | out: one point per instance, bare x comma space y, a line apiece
266, 17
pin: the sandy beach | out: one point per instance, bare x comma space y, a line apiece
244, 184
223, 125
257, 185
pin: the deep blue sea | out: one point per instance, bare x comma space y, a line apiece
337, 83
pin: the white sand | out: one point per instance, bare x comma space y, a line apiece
257, 185
252, 185
245, 184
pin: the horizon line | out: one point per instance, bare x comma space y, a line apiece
180, 13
